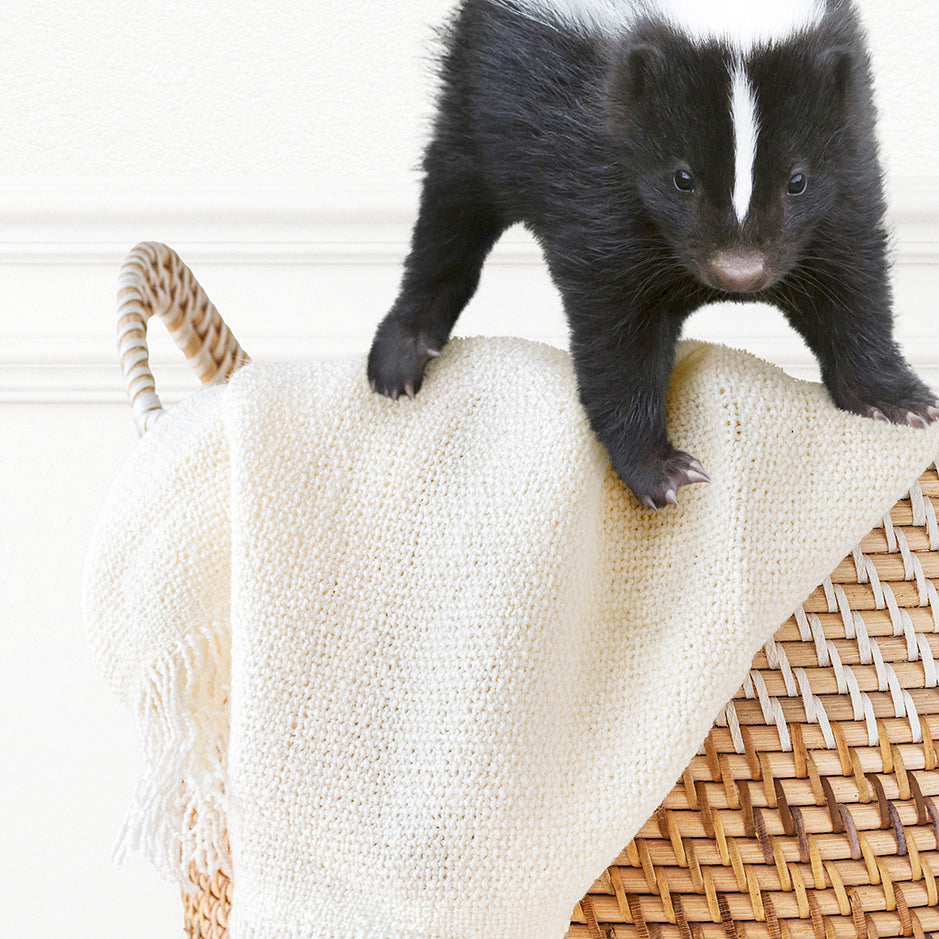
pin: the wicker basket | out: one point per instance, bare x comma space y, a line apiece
811, 810
154, 281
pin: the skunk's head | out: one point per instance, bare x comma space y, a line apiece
738, 155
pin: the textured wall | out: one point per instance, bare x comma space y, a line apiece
254, 87
217, 86
905, 47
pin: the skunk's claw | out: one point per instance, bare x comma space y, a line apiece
657, 485
920, 414
695, 473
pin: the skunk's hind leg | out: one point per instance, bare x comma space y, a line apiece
455, 230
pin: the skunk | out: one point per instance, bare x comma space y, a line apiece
665, 154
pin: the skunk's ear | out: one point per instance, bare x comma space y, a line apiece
641, 65
637, 70
836, 66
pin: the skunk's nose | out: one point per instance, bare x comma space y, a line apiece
737, 271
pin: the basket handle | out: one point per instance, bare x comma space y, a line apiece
155, 281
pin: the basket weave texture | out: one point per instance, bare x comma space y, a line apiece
811, 811
206, 908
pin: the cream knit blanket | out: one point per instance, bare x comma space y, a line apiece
427, 663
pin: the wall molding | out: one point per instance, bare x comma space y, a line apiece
62, 241
346, 221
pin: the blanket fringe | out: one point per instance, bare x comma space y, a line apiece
178, 816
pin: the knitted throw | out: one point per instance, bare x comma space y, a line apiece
420, 670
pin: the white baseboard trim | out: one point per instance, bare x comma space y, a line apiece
300, 247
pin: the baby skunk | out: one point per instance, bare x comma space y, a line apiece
665, 154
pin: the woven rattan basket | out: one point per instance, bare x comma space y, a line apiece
812, 809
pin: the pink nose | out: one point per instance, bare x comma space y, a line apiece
737, 271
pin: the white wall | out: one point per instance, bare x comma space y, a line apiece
252, 87
219, 86
271, 144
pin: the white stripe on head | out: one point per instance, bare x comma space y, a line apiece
740, 23
746, 130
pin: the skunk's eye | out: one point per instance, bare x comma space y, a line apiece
797, 184
684, 181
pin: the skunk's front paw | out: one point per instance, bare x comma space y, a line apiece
898, 397
916, 414
397, 361
656, 483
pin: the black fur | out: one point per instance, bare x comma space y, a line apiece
578, 135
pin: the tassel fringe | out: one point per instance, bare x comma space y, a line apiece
178, 816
